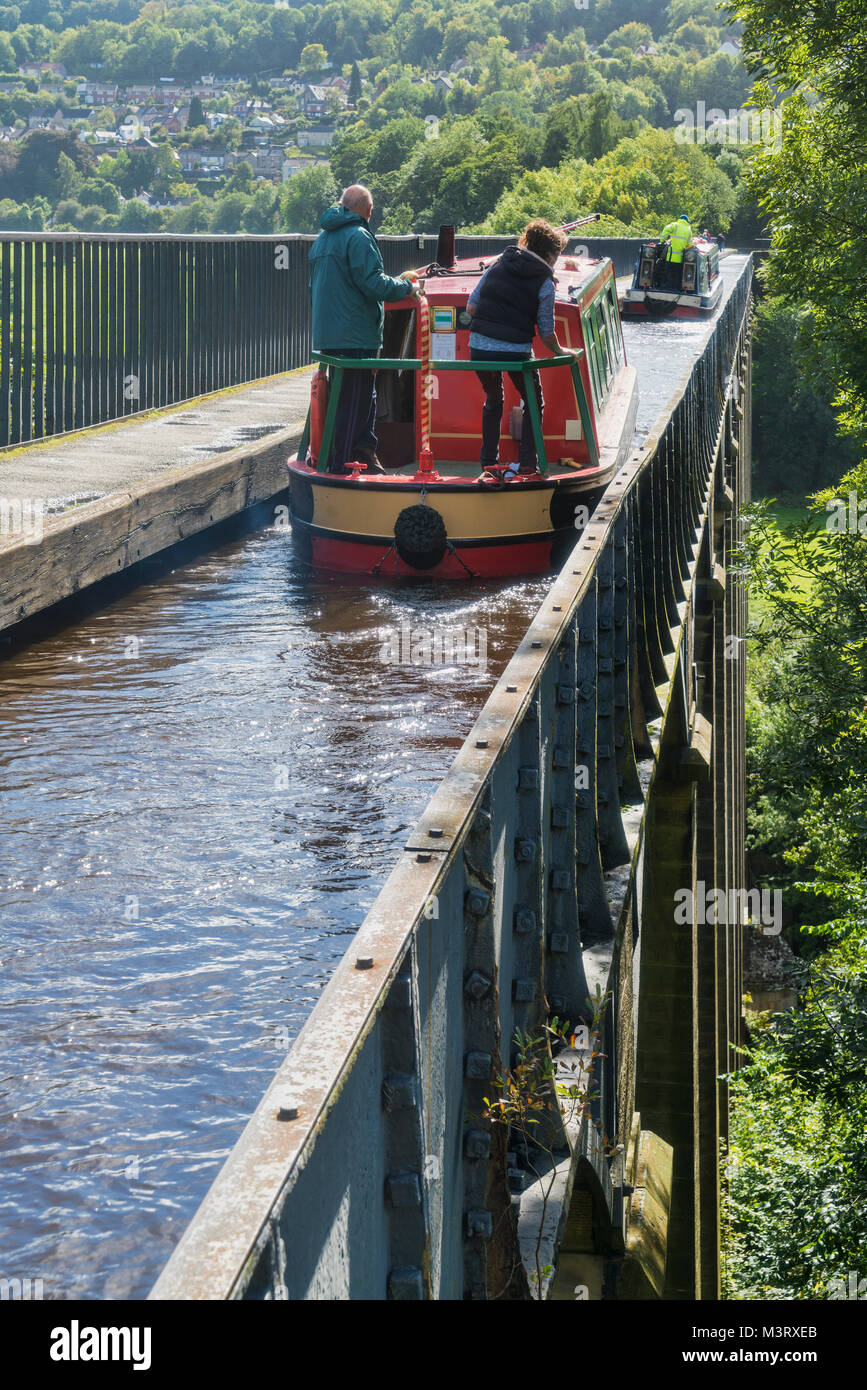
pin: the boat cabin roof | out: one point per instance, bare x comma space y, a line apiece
576, 278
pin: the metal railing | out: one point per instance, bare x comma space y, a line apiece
369, 1171
413, 364
93, 328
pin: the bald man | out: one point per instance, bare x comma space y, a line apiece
349, 287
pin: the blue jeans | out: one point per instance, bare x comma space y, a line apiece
354, 427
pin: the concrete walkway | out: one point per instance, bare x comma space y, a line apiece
79, 508
90, 465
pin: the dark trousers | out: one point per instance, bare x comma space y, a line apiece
492, 410
355, 423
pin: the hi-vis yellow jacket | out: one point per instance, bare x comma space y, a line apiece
681, 237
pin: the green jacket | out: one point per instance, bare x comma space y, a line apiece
681, 237
348, 284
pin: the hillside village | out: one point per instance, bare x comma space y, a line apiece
261, 151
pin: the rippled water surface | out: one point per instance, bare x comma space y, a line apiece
205, 785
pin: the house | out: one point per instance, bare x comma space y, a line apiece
104, 137
214, 119
198, 161
313, 101
443, 84
43, 69
731, 46
132, 129
294, 163
139, 91
100, 93
263, 124
41, 120
317, 137
266, 162
177, 121
647, 50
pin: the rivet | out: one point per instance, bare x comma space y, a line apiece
477, 1144
477, 984
478, 1066
525, 919
511, 689
478, 902
557, 608
480, 1223
364, 962
535, 644
422, 858
435, 833
481, 743
405, 1284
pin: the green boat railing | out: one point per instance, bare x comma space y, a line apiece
414, 364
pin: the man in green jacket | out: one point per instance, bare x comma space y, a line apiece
680, 232
349, 288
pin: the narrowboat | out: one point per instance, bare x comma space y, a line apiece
683, 291
435, 511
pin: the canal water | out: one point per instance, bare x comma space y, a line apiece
205, 784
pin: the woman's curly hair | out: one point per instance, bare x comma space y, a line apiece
541, 237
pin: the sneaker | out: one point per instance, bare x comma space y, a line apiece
369, 456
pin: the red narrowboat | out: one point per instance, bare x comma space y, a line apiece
435, 512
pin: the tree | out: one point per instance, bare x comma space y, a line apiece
228, 213
241, 180
260, 214
197, 113
304, 198
794, 429
37, 168
313, 58
354, 84
809, 176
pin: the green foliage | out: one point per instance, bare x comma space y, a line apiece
197, 113
796, 448
304, 198
812, 187
34, 167
797, 1164
798, 1158
637, 187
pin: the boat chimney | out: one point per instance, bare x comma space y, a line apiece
446, 247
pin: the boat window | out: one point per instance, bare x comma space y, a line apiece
614, 336
592, 345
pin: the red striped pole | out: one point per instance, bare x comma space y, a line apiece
425, 456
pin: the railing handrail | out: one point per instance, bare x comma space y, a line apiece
475, 365
525, 366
